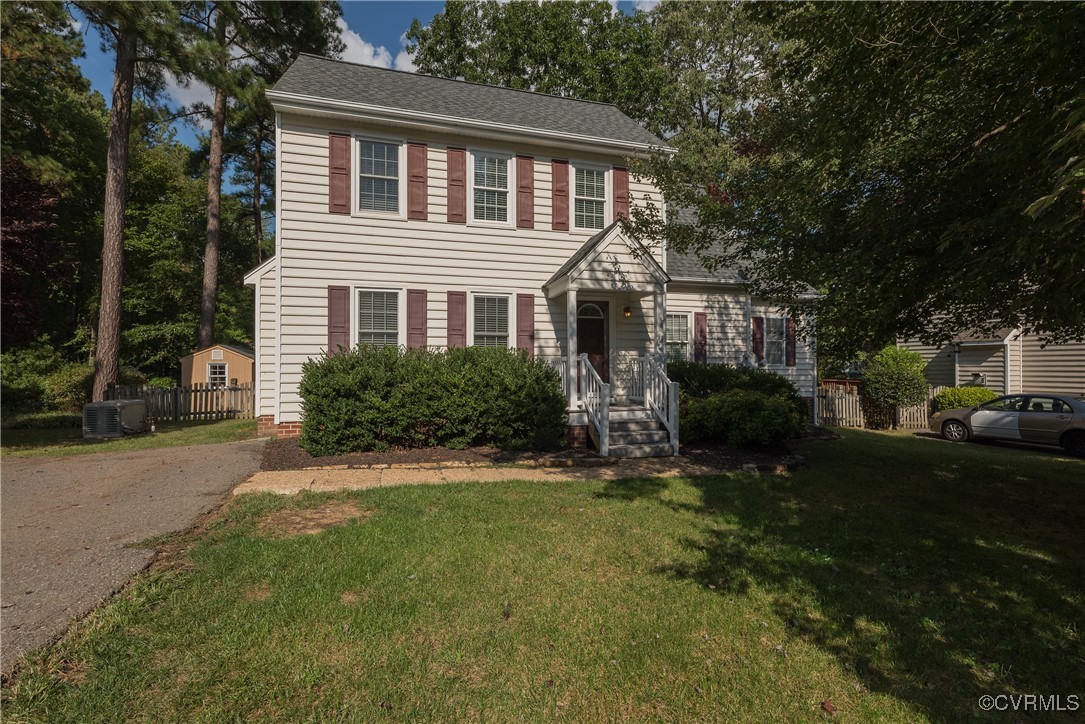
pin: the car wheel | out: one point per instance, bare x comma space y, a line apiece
1074, 443
955, 431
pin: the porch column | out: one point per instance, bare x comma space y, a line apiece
659, 336
570, 347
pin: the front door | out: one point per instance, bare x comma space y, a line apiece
591, 335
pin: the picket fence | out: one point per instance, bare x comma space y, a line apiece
186, 404
842, 407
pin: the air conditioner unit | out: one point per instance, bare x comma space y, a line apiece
114, 418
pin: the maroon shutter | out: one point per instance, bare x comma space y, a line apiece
338, 319
416, 317
457, 186
338, 173
758, 324
621, 193
417, 199
789, 343
457, 319
700, 337
525, 192
525, 322
560, 196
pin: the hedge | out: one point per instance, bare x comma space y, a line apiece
70, 388
741, 406
376, 398
954, 397
44, 421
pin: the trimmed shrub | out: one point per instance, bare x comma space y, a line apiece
70, 388
953, 397
741, 418
375, 398
44, 421
697, 379
893, 378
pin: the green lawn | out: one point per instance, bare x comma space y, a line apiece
28, 443
898, 578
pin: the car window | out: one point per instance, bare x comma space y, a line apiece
1005, 404
1048, 404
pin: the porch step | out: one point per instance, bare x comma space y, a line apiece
630, 413
617, 427
646, 450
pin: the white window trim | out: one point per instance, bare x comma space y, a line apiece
608, 205
401, 312
689, 331
510, 175
783, 357
471, 315
356, 172
226, 379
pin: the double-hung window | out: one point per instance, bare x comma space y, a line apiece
677, 336
589, 198
378, 176
378, 318
491, 188
775, 340
491, 320
216, 374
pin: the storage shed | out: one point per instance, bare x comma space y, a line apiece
220, 365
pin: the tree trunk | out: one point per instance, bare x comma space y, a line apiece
107, 352
214, 199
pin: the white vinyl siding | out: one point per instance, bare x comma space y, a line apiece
677, 336
590, 198
490, 189
378, 318
775, 341
491, 321
378, 176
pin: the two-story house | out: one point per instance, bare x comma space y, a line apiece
422, 211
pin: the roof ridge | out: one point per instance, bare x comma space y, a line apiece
466, 82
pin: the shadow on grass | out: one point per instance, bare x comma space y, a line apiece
938, 574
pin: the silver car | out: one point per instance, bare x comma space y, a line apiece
1042, 417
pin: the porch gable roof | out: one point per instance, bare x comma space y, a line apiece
591, 249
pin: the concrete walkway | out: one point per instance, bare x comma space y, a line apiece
290, 482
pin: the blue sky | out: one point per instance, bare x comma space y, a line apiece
373, 33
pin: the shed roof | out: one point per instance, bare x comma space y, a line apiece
245, 351
337, 80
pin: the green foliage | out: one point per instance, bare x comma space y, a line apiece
373, 398
954, 397
741, 418
23, 372
69, 388
892, 378
44, 421
164, 383
701, 380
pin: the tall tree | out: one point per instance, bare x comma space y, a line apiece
247, 41
155, 29
584, 50
891, 159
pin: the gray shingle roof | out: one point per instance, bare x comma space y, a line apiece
338, 80
689, 265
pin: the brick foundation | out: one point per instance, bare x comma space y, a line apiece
265, 427
576, 437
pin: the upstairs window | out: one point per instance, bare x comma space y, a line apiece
491, 188
590, 195
491, 321
378, 176
677, 336
775, 340
378, 318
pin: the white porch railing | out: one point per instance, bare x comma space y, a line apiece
661, 395
595, 397
562, 366
635, 379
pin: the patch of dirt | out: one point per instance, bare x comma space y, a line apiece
286, 454
349, 598
729, 458
259, 592
310, 521
72, 672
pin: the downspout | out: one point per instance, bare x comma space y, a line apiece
1005, 368
747, 358
956, 365
814, 350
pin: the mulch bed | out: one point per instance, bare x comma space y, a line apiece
286, 454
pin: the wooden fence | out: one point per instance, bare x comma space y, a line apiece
842, 407
185, 404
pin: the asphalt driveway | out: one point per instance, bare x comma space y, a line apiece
67, 523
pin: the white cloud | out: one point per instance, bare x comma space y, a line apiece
645, 5
404, 61
359, 51
189, 94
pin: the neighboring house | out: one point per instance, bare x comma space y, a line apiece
1005, 362
421, 211
221, 365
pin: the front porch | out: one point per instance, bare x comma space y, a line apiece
614, 297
